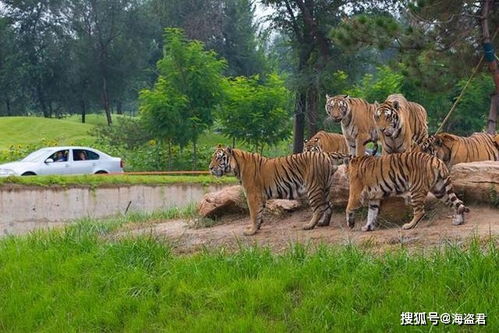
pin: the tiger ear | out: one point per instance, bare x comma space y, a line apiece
376, 104
327, 96
346, 96
396, 105
229, 150
219, 146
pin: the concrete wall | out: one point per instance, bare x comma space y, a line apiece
25, 208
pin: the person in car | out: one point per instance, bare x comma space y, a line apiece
60, 157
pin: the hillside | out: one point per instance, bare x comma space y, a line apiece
31, 130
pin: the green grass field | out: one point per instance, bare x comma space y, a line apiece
83, 279
103, 180
32, 130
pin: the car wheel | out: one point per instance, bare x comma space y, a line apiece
101, 172
29, 173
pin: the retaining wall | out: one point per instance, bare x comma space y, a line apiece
24, 208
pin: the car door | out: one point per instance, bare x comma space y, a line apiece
56, 163
84, 161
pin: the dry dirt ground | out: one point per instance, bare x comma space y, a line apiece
278, 232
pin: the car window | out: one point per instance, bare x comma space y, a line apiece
84, 155
91, 155
60, 155
36, 155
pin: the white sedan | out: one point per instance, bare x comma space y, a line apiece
63, 161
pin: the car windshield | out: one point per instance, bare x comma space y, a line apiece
36, 155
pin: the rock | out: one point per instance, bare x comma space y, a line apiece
230, 199
340, 187
477, 182
279, 206
473, 182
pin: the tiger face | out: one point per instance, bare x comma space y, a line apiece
428, 145
312, 145
439, 146
387, 117
337, 107
221, 161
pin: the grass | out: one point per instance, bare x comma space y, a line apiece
32, 130
103, 180
79, 279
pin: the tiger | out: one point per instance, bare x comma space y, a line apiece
286, 177
411, 174
402, 125
357, 121
326, 142
453, 149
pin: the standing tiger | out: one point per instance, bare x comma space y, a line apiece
326, 142
357, 121
453, 149
402, 125
414, 173
281, 178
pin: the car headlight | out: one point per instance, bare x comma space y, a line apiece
7, 172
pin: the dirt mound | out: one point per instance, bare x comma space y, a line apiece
278, 232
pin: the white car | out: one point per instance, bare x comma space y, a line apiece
63, 161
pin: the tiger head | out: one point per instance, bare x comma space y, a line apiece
387, 117
340, 158
337, 107
439, 145
312, 145
222, 161
428, 145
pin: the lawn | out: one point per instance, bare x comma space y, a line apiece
32, 130
103, 180
84, 279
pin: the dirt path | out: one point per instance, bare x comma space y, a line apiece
279, 232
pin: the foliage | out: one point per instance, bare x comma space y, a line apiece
106, 180
126, 132
143, 286
189, 87
378, 86
256, 112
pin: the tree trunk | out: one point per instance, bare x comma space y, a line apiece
41, 100
83, 111
299, 125
169, 155
489, 56
312, 111
194, 155
105, 101
119, 107
7, 106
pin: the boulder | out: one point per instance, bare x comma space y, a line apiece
473, 182
477, 182
230, 199
280, 206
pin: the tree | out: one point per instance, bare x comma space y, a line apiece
104, 30
244, 55
189, 87
437, 41
306, 24
256, 112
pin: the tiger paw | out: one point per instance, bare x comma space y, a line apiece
308, 226
368, 227
407, 226
250, 231
458, 219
